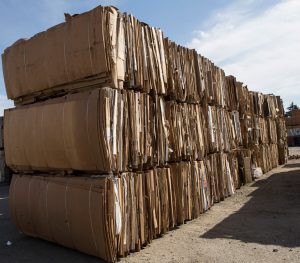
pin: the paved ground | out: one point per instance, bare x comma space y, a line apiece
260, 223
294, 150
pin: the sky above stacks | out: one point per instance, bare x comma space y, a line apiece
258, 41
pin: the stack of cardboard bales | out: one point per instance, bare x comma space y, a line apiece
120, 134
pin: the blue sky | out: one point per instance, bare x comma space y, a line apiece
255, 40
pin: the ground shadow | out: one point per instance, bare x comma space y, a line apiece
271, 216
26, 249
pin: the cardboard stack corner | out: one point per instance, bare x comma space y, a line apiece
5, 174
119, 134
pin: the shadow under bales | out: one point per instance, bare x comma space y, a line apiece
270, 217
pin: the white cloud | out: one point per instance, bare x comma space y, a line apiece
5, 104
262, 49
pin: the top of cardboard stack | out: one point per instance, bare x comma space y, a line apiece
105, 94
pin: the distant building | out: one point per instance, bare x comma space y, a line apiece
293, 128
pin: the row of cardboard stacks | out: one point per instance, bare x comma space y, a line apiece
160, 132
117, 97
106, 130
104, 47
259, 130
256, 103
111, 216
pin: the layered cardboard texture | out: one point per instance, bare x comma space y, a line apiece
87, 46
106, 130
74, 212
99, 47
102, 130
145, 133
111, 216
74, 132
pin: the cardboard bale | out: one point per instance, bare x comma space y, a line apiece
230, 130
83, 131
145, 59
202, 198
238, 138
234, 168
181, 68
232, 93
281, 140
256, 103
244, 100
191, 188
221, 176
161, 135
214, 133
186, 126
216, 85
272, 131
270, 106
266, 156
262, 131
182, 177
245, 124
141, 131
283, 152
78, 213
86, 47
247, 169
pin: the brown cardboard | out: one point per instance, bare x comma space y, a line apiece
186, 131
66, 53
73, 132
170, 134
247, 169
102, 46
74, 212
108, 216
